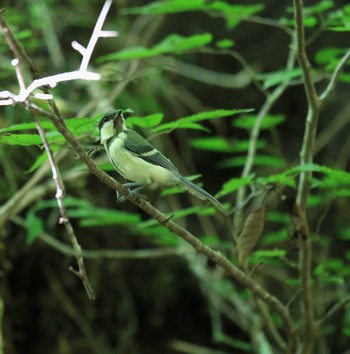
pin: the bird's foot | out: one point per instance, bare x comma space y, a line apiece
137, 187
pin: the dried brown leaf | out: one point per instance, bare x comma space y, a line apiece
250, 234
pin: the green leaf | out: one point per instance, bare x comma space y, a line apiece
234, 14
277, 77
186, 121
225, 43
329, 57
149, 121
320, 7
260, 160
41, 159
34, 225
234, 184
90, 215
21, 139
310, 21
214, 143
340, 28
26, 126
174, 43
248, 121
266, 255
165, 7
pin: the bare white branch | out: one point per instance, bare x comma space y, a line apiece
79, 48
9, 98
96, 34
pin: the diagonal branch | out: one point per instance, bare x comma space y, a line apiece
216, 257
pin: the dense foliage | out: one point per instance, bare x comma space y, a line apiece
249, 100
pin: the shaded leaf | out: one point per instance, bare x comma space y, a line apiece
260, 160
277, 77
34, 225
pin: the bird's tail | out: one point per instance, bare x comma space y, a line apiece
200, 193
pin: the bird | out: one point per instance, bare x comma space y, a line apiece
138, 161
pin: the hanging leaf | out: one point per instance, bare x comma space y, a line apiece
250, 234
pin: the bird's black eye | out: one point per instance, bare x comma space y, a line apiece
103, 121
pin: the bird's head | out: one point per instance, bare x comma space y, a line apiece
111, 123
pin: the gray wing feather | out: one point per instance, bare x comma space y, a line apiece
140, 147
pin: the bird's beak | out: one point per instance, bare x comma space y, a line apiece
118, 120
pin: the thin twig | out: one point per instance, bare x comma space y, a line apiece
254, 135
56, 176
333, 310
6, 97
64, 219
116, 254
335, 76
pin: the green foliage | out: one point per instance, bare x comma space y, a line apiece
191, 122
248, 121
140, 76
233, 14
174, 44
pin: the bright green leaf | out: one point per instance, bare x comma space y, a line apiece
234, 184
320, 7
214, 143
340, 29
165, 7
174, 43
183, 122
21, 139
225, 43
149, 121
248, 121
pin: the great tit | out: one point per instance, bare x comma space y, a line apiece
139, 161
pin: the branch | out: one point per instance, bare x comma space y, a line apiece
335, 76
115, 254
254, 135
306, 156
149, 209
9, 98
333, 310
64, 219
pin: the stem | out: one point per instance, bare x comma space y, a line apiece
306, 156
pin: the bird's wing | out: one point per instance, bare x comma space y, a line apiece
140, 147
